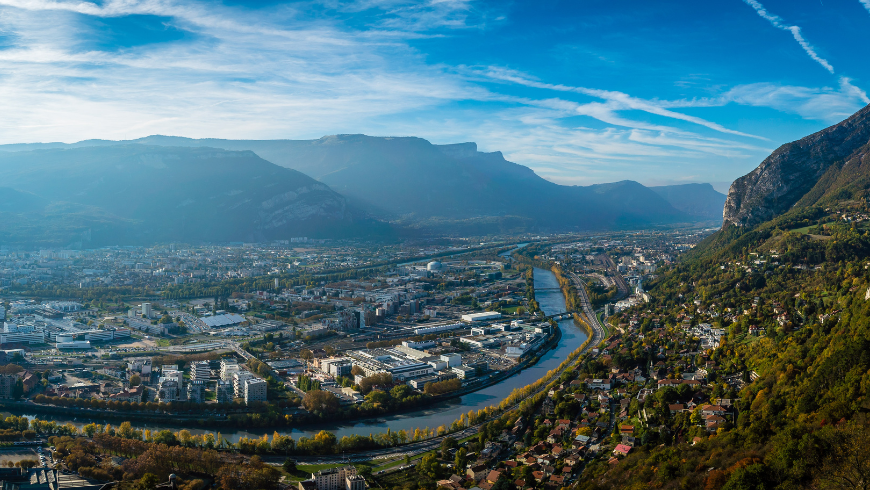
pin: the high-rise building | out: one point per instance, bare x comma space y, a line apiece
333, 478
196, 391
7, 386
224, 392
169, 390
146, 310
354, 482
200, 371
229, 366
239, 379
255, 390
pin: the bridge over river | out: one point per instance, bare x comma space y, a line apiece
552, 303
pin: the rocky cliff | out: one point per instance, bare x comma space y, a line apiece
794, 169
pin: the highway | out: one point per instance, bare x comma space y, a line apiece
416, 448
588, 312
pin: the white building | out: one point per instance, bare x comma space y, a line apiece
200, 371
169, 390
196, 392
255, 390
333, 478
481, 317
446, 327
229, 367
22, 338
355, 482
452, 360
146, 310
76, 344
239, 379
141, 365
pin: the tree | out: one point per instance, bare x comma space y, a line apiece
447, 444
430, 467
18, 389
166, 437
289, 465
135, 380
461, 460
147, 482
845, 462
320, 401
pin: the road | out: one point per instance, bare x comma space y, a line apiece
588, 312
416, 448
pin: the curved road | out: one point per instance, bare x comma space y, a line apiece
416, 448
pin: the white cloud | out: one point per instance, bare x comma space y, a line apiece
866, 4
823, 104
616, 101
795, 31
277, 73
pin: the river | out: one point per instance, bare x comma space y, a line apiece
550, 300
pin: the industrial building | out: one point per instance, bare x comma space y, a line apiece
392, 361
481, 317
443, 327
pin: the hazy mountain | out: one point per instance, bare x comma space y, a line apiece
833, 160
15, 201
134, 193
698, 200
413, 181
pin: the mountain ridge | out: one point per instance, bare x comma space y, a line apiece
414, 182
143, 194
785, 177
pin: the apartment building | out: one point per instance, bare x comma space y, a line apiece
255, 390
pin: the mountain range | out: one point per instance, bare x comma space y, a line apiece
163, 188
135, 193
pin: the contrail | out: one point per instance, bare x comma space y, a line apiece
777, 22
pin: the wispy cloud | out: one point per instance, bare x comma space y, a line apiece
824, 104
615, 101
795, 31
866, 4
283, 72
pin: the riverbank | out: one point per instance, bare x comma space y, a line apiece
442, 412
219, 421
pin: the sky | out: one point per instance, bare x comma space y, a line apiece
582, 91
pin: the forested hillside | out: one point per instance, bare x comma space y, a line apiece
794, 363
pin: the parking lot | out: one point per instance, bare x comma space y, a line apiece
16, 454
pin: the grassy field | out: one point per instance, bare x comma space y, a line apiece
400, 479
804, 230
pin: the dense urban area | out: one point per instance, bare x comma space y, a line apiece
272, 337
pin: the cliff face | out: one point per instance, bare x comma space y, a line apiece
793, 169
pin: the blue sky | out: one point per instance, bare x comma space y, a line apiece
582, 91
